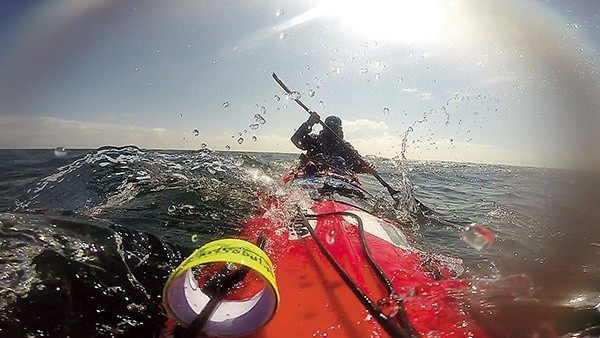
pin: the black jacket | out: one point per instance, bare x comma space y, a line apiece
327, 149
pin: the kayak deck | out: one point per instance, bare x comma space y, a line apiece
316, 301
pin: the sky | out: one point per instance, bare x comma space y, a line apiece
489, 81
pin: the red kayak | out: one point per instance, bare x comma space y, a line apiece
340, 272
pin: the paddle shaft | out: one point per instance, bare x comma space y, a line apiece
391, 190
300, 103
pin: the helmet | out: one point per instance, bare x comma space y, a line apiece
333, 121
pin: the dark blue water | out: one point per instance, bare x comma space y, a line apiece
88, 239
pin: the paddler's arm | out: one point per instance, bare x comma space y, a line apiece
356, 162
301, 137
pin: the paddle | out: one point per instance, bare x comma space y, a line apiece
393, 192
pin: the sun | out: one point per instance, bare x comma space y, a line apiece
409, 21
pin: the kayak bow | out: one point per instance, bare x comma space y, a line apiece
341, 272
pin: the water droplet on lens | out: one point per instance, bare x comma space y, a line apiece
330, 238
311, 93
280, 12
263, 110
426, 54
136, 307
254, 126
386, 111
377, 76
227, 147
293, 96
477, 236
203, 145
59, 152
171, 208
322, 104
277, 98
195, 238
363, 71
180, 115
240, 140
576, 26
388, 306
258, 118
254, 138
137, 69
225, 104
196, 132
283, 35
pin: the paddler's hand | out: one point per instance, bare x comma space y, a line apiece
370, 168
314, 118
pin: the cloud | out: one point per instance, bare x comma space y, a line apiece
363, 125
445, 150
386, 145
49, 132
254, 142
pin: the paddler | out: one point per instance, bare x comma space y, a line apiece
328, 150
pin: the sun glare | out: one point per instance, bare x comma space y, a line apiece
410, 21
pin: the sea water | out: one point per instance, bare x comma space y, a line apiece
88, 238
